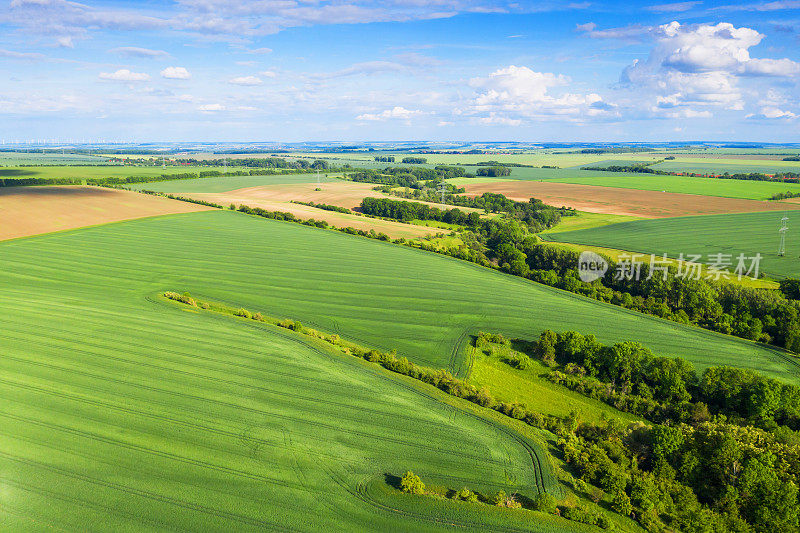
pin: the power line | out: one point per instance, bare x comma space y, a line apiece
782, 231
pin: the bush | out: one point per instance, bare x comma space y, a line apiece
466, 495
622, 503
545, 503
412, 484
498, 498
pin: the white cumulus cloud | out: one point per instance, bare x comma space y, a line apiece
700, 65
397, 112
510, 94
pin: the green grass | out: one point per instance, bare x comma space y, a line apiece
585, 220
531, 387
22, 158
227, 183
754, 190
386, 296
732, 166
747, 233
134, 414
101, 171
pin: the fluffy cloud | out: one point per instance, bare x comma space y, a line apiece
511, 94
699, 65
210, 108
396, 112
771, 112
124, 74
175, 73
246, 81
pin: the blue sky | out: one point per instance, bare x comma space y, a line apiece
296, 70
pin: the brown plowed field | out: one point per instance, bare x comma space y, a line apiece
615, 201
26, 211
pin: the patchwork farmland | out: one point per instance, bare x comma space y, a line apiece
342, 364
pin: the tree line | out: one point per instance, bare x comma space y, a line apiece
413, 178
534, 214
628, 376
25, 182
719, 462
326, 207
784, 195
494, 171
765, 316
786, 177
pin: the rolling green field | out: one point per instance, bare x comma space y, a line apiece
227, 183
32, 158
702, 166
382, 295
753, 190
101, 171
163, 419
746, 233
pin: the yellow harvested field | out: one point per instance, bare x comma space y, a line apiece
256, 197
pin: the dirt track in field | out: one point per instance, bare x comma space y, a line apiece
26, 211
615, 201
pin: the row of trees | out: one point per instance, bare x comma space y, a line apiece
494, 171
290, 217
24, 182
630, 369
326, 207
534, 215
413, 178
784, 195
407, 211
259, 162
787, 177
766, 316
